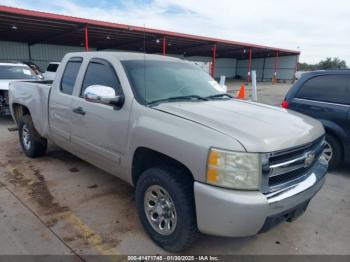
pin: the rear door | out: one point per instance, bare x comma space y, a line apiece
325, 97
100, 131
60, 103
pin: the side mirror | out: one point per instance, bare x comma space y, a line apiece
103, 95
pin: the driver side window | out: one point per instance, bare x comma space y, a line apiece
100, 72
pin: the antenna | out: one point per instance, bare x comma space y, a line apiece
144, 61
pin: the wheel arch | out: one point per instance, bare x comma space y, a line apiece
145, 158
19, 110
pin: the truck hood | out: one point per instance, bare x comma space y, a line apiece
258, 127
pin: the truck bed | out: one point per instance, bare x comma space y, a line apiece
35, 96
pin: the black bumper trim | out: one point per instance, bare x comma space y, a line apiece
287, 215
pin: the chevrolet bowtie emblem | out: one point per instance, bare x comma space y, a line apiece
309, 159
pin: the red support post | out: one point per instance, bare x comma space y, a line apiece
164, 45
86, 38
213, 61
249, 63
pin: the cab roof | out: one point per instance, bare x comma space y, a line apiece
124, 56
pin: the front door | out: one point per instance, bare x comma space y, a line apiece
99, 132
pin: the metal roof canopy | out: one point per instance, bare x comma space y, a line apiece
35, 27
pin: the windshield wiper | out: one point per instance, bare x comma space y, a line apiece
219, 95
174, 98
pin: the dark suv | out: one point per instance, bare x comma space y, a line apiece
325, 95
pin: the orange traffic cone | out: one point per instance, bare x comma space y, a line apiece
241, 93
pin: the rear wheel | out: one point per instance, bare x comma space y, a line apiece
33, 145
333, 151
165, 204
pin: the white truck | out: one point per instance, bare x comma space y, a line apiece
200, 160
51, 70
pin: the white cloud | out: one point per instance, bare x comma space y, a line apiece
320, 28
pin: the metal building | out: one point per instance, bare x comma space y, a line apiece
44, 37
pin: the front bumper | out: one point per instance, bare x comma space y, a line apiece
233, 213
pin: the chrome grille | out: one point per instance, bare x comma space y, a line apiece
4, 99
286, 167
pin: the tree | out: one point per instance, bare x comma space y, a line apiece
306, 67
328, 63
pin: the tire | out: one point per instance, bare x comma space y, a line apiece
333, 152
37, 144
179, 188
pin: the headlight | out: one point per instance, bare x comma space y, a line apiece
236, 170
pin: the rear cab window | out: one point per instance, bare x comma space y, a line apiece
327, 88
52, 68
100, 72
70, 75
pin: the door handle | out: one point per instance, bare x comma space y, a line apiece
79, 110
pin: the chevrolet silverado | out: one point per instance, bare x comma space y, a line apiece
200, 160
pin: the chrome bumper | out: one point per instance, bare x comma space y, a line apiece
234, 213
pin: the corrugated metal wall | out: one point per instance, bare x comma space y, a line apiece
223, 66
226, 67
41, 54
265, 68
13, 51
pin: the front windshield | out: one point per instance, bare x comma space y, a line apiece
154, 80
16, 72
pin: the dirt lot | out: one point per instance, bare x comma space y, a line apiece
60, 204
267, 93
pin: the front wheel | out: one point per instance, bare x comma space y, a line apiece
165, 204
32, 143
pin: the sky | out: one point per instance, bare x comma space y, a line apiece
317, 28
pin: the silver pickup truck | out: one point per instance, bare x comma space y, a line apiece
200, 160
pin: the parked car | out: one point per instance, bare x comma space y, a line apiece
50, 72
325, 95
11, 72
35, 68
200, 160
